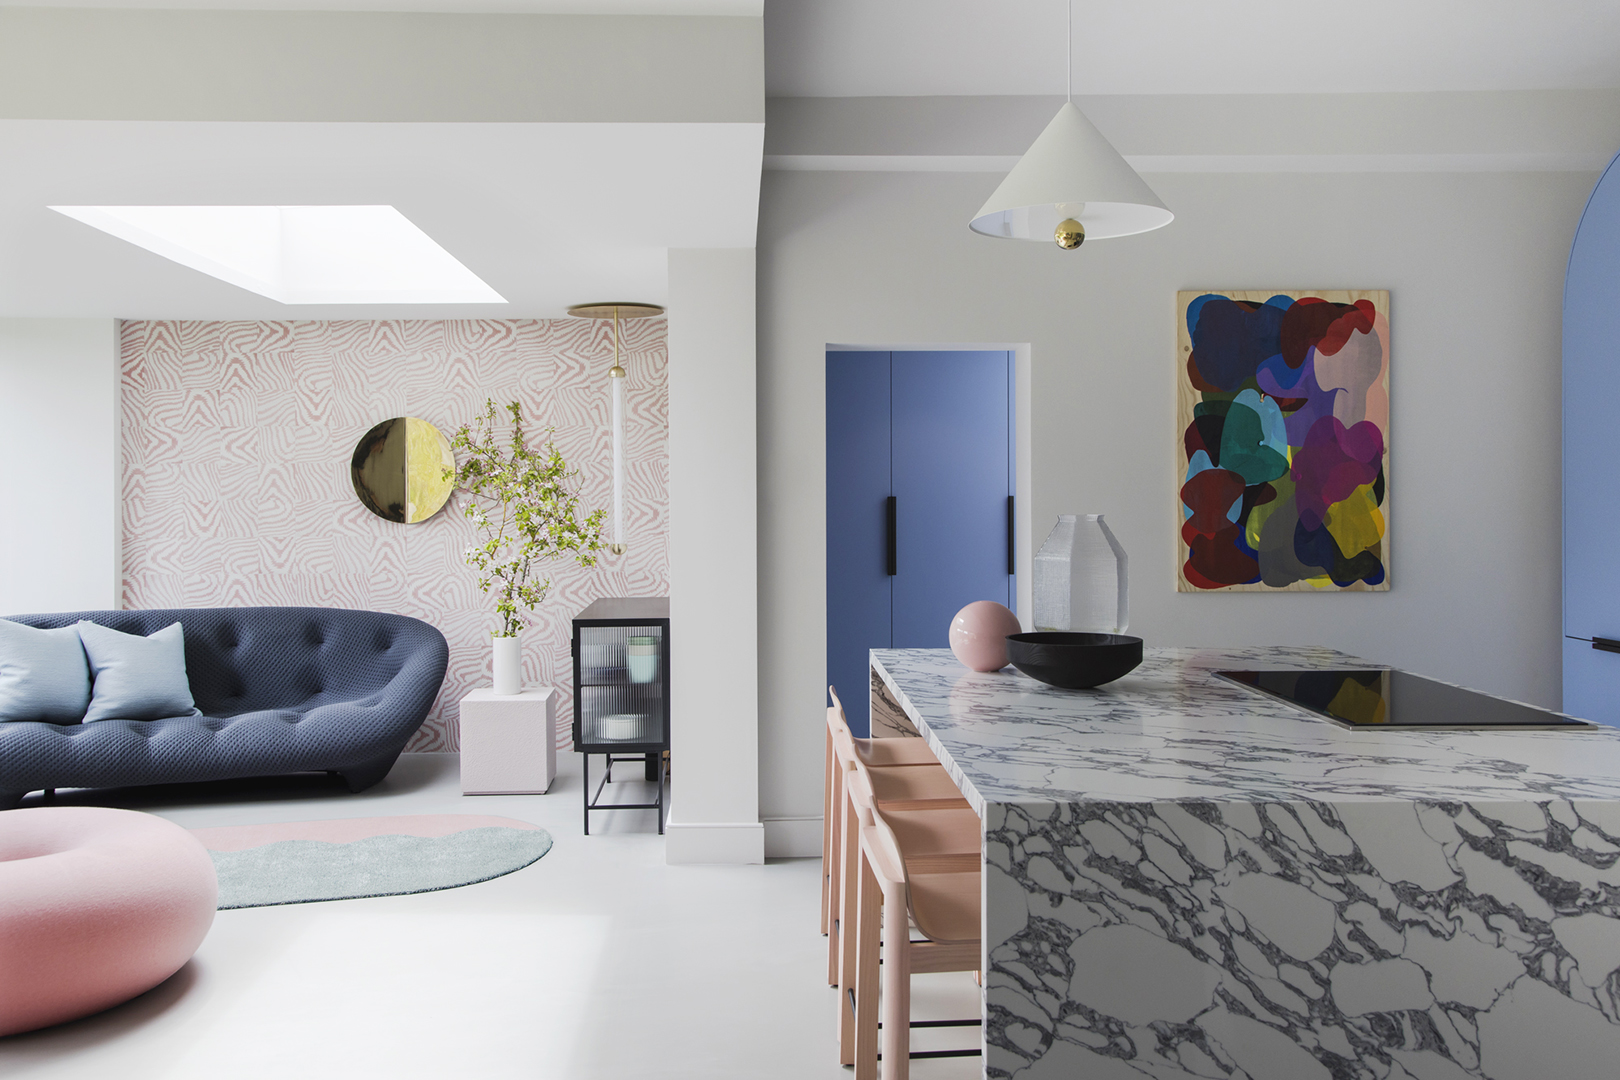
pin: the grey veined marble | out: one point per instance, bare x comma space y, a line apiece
1184, 879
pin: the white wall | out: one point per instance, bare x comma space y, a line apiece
82, 63
1474, 263
714, 722
1475, 131
59, 487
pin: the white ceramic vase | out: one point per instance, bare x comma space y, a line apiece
1081, 579
507, 665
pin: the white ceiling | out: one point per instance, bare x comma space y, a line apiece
555, 214
854, 48
547, 214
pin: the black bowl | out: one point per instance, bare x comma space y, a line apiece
1074, 661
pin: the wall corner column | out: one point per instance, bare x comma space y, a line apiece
713, 559
63, 486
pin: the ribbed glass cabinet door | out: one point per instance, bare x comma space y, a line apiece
621, 685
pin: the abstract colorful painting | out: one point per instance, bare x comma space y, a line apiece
1283, 424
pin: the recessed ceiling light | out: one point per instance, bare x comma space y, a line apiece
300, 254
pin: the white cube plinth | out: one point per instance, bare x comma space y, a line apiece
509, 742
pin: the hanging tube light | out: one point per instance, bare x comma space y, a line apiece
616, 377
1071, 186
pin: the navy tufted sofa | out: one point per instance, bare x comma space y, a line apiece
281, 690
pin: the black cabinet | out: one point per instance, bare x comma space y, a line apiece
621, 693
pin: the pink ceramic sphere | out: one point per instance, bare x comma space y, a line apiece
979, 635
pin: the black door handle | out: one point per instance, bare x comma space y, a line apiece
1012, 558
891, 514
1603, 644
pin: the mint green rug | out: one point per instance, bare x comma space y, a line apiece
306, 871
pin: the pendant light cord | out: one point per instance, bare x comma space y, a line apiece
1070, 42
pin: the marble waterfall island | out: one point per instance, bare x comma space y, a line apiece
1185, 878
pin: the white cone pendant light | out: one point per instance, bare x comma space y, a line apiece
1071, 186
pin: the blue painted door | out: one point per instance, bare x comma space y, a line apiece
926, 437
951, 482
1591, 450
858, 585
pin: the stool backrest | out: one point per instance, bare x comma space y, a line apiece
832, 692
859, 789
888, 843
843, 742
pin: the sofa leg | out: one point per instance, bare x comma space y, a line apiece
9, 800
360, 777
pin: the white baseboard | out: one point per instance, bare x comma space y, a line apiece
739, 843
793, 837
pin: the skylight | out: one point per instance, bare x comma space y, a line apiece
300, 254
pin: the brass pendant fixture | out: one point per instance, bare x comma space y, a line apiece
1069, 234
616, 375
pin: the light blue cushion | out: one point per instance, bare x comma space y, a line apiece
136, 678
43, 674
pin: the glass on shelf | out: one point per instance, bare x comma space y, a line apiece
641, 658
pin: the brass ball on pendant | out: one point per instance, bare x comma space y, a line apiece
1069, 234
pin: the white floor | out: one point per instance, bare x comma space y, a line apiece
599, 961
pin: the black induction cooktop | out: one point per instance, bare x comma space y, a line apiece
1384, 697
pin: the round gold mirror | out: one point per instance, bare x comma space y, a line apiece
398, 469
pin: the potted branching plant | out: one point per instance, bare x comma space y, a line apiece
525, 507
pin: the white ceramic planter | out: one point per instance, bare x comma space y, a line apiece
508, 666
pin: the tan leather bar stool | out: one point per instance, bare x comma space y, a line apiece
876, 752
845, 752
907, 788
925, 801
912, 864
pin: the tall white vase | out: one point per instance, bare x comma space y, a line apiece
1080, 578
508, 665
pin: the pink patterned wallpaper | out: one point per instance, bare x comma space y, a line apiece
236, 445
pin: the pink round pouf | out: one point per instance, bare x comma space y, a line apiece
979, 635
96, 906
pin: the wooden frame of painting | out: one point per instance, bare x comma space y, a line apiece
1282, 426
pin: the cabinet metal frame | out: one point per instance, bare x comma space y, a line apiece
623, 612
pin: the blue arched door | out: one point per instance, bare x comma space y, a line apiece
1592, 459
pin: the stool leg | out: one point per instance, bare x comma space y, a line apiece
868, 927
896, 979
849, 934
827, 804
834, 869
849, 860
835, 884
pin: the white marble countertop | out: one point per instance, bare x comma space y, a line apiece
1171, 730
